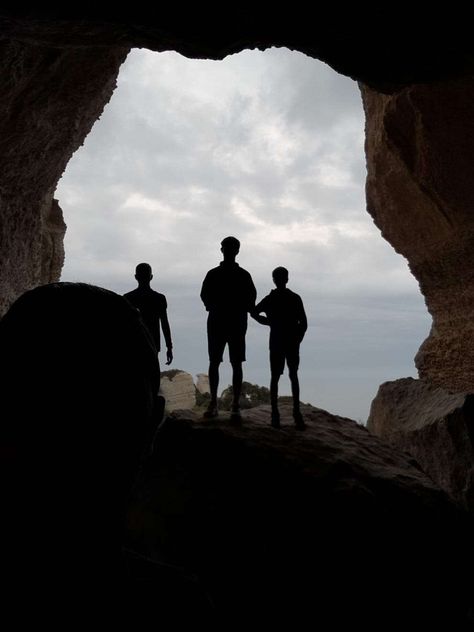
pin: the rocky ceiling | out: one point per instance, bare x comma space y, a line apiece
416, 75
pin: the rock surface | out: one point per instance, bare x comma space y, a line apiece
419, 192
179, 391
202, 383
328, 523
434, 44
435, 426
50, 100
60, 70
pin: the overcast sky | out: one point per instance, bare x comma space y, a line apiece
266, 146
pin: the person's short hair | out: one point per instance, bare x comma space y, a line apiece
80, 375
231, 242
280, 272
143, 270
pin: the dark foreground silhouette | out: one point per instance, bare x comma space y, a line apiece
288, 324
228, 294
79, 376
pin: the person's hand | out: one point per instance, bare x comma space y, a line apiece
169, 356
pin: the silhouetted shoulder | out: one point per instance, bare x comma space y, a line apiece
140, 297
228, 288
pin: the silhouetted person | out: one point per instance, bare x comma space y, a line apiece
229, 295
79, 374
287, 319
152, 307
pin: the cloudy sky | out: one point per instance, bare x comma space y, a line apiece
266, 146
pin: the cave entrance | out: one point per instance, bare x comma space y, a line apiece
267, 146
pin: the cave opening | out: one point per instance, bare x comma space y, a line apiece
267, 146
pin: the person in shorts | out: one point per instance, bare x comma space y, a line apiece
284, 312
228, 294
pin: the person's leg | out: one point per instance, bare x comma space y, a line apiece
275, 378
237, 377
216, 344
295, 388
293, 361
236, 343
277, 364
214, 380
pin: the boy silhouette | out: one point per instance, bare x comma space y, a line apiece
287, 319
152, 307
228, 294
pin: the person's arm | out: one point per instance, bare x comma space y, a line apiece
257, 310
302, 321
252, 294
206, 292
165, 328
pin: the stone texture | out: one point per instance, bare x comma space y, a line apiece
329, 523
50, 100
60, 69
202, 383
419, 192
435, 426
425, 46
179, 391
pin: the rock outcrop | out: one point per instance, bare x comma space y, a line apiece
60, 69
202, 383
328, 523
419, 192
51, 97
435, 426
178, 390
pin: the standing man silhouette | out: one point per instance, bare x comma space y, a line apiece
228, 294
152, 307
288, 324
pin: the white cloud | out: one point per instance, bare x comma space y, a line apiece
267, 146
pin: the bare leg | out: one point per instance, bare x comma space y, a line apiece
213, 386
295, 388
237, 377
295, 391
274, 391
274, 400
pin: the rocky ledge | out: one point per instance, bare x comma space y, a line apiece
329, 523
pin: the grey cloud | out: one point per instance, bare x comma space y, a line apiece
158, 181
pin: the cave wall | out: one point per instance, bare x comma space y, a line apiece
420, 152
51, 97
60, 69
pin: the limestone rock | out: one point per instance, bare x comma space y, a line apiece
435, 426
419, 192
358, 41
60, 70
329, 522
202, 383
178, 390
50, 100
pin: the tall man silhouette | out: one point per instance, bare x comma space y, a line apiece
152, 307
228, 294
287, 319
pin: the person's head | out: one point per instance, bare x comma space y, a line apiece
280, 277
230, 247
143, 273
79, 376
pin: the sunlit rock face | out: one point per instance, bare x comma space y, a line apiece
325, 522
178, 390
50, 100
202, 383
435, 426
420, 152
